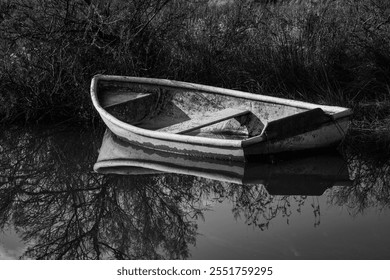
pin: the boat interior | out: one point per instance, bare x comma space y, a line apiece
202, 114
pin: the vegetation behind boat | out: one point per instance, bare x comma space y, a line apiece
331, 52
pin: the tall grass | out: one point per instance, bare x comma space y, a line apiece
333, 52
51, 49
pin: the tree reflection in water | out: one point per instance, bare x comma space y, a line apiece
258, 208
369, 168
63, 210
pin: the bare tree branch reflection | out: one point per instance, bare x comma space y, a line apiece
369, 168
65, 211
254, 205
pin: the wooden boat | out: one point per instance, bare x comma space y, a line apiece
205, 121
306, 175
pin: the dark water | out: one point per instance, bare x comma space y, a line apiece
53, 206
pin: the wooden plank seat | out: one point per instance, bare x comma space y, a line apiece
194, 124
113, 98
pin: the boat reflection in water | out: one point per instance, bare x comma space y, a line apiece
307, 175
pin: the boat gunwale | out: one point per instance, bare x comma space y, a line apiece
336, 112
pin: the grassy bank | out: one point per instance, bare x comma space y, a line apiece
330, 52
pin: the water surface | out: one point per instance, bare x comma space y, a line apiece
53, 206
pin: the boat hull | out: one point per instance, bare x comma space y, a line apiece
328, 135
178, 147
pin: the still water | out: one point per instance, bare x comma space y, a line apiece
54, 206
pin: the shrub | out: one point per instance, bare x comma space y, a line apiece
51, 49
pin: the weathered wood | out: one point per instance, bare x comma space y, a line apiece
194, 124
117, 97
252, 123
296, 124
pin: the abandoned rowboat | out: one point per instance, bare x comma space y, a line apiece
205, 121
